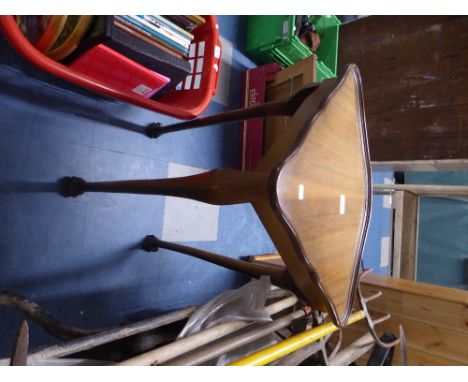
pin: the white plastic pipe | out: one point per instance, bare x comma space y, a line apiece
184, 345
222, 347
354, 351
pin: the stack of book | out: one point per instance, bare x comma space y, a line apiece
147, 55
162, 31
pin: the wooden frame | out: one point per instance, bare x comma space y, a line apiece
422, 165
406, 221
405, 235
434, 319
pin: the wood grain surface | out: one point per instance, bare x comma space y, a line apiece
415, 75
322, 190
435, 319
319, 231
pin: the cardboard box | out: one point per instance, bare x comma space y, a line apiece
288, 82
254, 82
268, 83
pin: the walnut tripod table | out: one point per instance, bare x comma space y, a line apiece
311, 191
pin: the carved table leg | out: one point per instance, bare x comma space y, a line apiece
154, 130
269, 109
278, 274
220, 187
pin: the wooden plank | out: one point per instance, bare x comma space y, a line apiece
417, 354
397, 204
270, 258
426, 309
418, 357
431, 339
435, 320
423, 189
405, 235
422, 165
415, 73
456, 296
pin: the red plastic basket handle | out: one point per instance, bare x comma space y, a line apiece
220, 46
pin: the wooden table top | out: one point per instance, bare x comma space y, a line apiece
323, 193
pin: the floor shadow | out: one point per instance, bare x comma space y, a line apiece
27, 187
87, 268
86, 105
66, 310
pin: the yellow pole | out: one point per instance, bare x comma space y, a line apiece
272, 353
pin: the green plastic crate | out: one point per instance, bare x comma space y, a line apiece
328, 28
272, 39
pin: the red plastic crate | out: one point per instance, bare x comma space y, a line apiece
187, 102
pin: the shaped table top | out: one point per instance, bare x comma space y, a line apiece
323, 191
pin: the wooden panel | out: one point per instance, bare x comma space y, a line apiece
415, 76
430, 304
422, 165
435, 319
416, 357
424, 189
430, 339
422, 308
405, 235
456, 296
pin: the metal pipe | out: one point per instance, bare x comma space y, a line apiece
435, 190
184, 345
272, 353
354, 351
300, 355
219, 348
107, 336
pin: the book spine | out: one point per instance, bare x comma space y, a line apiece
137, 34
149, 55
163, 29
152, 34
131, 25
196, 19
182, 22
171, 25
